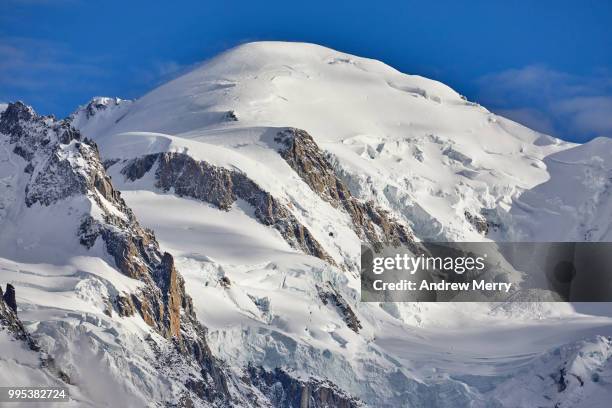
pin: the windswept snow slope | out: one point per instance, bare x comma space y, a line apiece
412, 144
576, 203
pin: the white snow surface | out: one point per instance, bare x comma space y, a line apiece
413, 145
575, 204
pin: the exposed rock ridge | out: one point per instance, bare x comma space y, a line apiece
98, 104
63, 164
100, 108
371, 223
9, 297
222, 187
12, 323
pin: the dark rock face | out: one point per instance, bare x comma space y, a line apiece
478, 222
371, 223
222, 187
163, 302
271, 212
285, 391
63, 165
9, 320
230, 116
195, 179
328, 294
9, 297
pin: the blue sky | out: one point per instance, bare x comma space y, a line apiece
547, 64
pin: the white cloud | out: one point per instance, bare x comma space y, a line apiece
33, 64
593, 114
565, 105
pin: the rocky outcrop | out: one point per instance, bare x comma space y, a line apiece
60, 162
9, 320
329, 295
9, 297
99, 104
480, 222
137, 255
285, 391
221, 187
96, 107
230, 116
371, 223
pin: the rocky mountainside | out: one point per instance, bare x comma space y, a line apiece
58, 165
199, 246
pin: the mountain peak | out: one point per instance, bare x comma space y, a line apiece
17, 111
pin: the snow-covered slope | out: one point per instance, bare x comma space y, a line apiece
261, 172
411, 144
575, 204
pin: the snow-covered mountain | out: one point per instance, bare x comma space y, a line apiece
200, 245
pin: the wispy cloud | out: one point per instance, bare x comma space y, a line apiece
592, 114
532, 118
42, 72
571, 106
35, 64
159, 72
46, 74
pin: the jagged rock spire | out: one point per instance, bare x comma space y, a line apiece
9, 297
